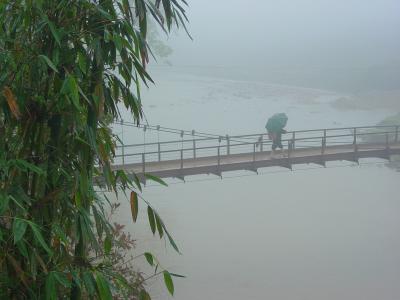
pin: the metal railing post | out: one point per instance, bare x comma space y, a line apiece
262, 143
181, 159
254, 152
219, 156
159, 151
228, 145
396, 137
323, 143
355, 140
143, 163
194, 144
294, 140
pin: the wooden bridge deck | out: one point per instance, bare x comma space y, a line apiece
179, 168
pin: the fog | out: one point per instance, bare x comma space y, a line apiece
291, 33
310, 233
336, 45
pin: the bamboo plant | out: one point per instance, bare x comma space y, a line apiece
66, 67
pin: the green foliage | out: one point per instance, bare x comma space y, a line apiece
391, 120
66, 67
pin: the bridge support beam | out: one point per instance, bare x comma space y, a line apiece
354, 160
181, 177
254, 170
321, 160
219, 174
287, 166
321, 163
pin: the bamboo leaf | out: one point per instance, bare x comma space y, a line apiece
39, 237
82, 62
159, 226
107, 245
143, 295
22, 248
24, 165
168, 282
150, 215
98, 222
4, 200
103, 287
136, 180
70, 89
134, 205
149, 258
19, 229
54, 32
62, 279
168, 12
51, 292
49, 62
171, 241
155, 179
89, 282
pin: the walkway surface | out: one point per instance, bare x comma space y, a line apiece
246, 152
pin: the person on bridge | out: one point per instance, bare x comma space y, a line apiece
275, 128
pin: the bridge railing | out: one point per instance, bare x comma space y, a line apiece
197, 148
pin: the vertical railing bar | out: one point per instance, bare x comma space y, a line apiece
354, 136
294, 139
396, 137
262, 143
181, 159
194, 144
219, 157
143, 163
355, 140
159, 151
254, 152
228, 146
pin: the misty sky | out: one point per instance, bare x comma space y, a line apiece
294, 33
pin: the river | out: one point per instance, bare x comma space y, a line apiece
308, 234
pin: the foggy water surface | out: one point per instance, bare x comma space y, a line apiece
314, 233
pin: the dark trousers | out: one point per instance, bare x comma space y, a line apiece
277, 141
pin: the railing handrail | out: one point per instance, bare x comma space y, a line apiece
259, 134
268, 142
232, 138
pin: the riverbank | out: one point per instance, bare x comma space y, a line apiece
389, 99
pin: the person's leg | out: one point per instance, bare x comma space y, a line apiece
274, 146
279, 140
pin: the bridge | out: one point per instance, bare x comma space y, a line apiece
218, 154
